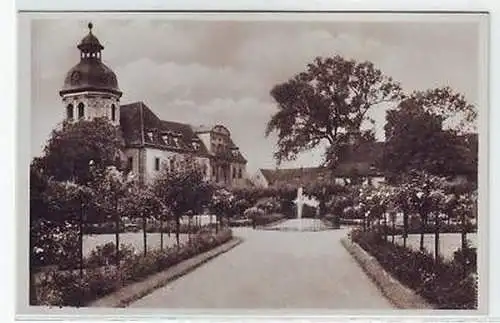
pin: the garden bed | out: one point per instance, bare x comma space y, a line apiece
444, 284
68, 288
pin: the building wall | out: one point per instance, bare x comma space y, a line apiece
165, 158
96, 105
205, 138
259, 180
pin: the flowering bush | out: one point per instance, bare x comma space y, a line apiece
268, 204
106, 254
54, 244
253, 213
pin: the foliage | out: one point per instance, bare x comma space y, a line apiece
105, 255
326, 103
71, 148
268, 204
66, 288
184, 189
111, 190
222, 202
441, 283
448, 104
54, 237
253, 213
53, 243
432, 149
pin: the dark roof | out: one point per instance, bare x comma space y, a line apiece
361, 161
308, 175
90, 74
141, 127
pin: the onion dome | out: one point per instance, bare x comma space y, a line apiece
90, 74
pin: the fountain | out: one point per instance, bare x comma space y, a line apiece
299, 223
299, 202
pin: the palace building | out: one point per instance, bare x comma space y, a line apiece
91, 90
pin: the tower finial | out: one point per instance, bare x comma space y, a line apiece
90, 25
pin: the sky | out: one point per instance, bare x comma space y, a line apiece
221, 71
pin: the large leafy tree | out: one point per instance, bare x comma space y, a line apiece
327, 104
72, 146
183, 190
416, 139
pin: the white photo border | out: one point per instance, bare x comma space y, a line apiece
11, 112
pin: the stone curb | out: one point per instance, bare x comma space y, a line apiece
135, 291
398, 294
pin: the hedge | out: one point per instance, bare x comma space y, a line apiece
68, 288
446, 284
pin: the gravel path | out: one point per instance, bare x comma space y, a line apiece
275, 270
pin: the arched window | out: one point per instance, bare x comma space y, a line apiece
113, 112
69, 112
81, 110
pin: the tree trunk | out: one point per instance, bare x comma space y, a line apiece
393, 218
422, 232
80, 241
436, 238
117, 236
405, 228
161, 233
177, 229
144, 235
189, 229
464, 232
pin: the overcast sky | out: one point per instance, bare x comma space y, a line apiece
209, 72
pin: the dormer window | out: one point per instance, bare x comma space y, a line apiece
176, 141
165, 139
196, 146
150, 135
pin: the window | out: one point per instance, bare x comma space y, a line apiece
130, 163
165, 139
113, 112
172, 164
213, 171
81, 110
240, 173
69, 112
157, 163
234, 172
205, 168
150, 136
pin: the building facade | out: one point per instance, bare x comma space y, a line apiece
91, 90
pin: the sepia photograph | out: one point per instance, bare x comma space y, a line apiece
331, 161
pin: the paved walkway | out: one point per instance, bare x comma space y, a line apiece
274, 270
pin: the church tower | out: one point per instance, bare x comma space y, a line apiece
90, 88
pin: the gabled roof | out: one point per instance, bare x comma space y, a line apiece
141, 127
